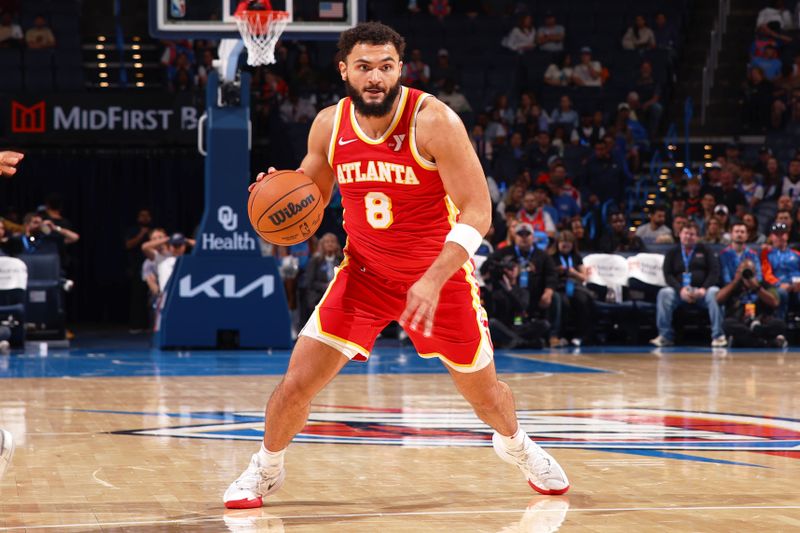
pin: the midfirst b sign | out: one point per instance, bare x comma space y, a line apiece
99, 119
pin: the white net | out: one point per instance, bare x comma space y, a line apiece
260, 32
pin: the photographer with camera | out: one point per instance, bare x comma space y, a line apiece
749, 305
506, 304
537, 276
731, 257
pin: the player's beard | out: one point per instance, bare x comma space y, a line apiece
366, 109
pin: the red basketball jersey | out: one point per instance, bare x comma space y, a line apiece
396, 211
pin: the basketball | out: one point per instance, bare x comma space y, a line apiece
285, 208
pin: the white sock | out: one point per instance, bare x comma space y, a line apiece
515, 441
268, 458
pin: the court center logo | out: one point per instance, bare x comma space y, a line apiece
609, 429
227, 218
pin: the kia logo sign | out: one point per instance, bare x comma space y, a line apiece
27, 119
227, 283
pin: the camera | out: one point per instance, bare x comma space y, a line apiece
748, 274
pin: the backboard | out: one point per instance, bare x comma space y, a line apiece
213, 19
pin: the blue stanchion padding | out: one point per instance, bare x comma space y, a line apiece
206, 295
225, 284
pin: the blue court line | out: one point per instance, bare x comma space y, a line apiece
678, 456
80, 363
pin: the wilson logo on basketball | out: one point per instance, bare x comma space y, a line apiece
290, 210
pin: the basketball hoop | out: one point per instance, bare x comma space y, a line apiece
260, 30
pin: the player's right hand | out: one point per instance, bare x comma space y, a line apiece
262, 175
9, 161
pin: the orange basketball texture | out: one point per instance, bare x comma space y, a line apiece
285, 208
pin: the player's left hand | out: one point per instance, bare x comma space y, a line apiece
421, 302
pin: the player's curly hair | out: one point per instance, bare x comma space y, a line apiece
370, 33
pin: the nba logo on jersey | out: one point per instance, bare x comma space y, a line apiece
177, 8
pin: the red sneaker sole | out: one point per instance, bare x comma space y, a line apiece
548, 492
247, 504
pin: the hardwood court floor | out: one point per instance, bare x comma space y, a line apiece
149, 441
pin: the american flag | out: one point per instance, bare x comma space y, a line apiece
331, 10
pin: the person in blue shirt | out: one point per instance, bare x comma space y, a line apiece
731, 257
781, 268
770, 64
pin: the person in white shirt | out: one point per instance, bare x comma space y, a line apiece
774, 20
589, 72
454, 99
639, 36
559, 76
550, 37
10, 33
522, 37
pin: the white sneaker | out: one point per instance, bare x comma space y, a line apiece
542, 471
255, 483
661, 341
719, 342
5, 346
6, 450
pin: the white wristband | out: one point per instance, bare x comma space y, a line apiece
465, 236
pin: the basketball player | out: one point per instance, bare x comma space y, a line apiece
416, 207
8, 167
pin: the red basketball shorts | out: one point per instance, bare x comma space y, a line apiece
358, 305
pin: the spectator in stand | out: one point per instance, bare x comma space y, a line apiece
707, 204
442, 71
540, 153
694, 200
656, 230
40, 237
752, 191
550, 37
321, 267
564, 115
679, 221
723, 215
784, 217
759, 107
134, 238
770, 64
588, 133
297, 109
496, 129
712, 180
533, 213
204, 68
576, 300
650, 96
454, 99
303, 77
416, 73
40, 36
603, 178
731, 257
509, 159
522, 37
183, 82
791, 182
439, 8
753, 235
149, 269
506, 304
665, 34
582, 241
713, 234
749, 306
503, 108
618, 237
512, 200
772, 179
773, 20
560, 75
52, 212
11, 35
781, 267
588, 73
639, 36
730, 195
691, 271
566, 198
760, 167
537, 274
481, 146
